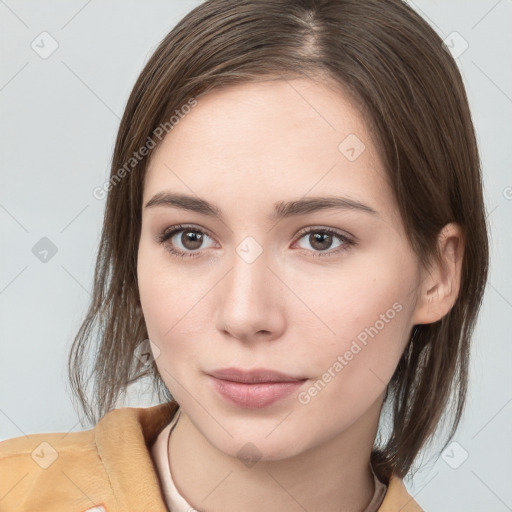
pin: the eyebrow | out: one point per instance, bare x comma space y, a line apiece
282, 209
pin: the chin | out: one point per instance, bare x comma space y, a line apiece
258, 446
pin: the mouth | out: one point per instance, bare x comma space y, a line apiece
254, 389
255, 376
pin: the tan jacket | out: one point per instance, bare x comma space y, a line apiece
105, 469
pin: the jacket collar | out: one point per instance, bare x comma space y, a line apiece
123, 438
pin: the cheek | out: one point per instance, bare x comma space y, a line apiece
172, 309
165, 293
365, 316
354, 365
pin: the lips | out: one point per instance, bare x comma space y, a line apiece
254, 389
258, 375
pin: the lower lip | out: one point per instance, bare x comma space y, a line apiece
255, 396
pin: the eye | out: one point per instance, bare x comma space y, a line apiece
186, 241
322, 239
183, 241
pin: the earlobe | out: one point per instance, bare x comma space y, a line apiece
440, 283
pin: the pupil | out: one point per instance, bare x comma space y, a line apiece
191, 240
321, 238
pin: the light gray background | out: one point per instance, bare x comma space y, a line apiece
59, 117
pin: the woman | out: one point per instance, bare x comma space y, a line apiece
295, 249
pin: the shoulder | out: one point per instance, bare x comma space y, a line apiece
398, 498
36, 467
84, 469
11, 449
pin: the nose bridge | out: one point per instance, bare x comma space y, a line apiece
249, 276
247, 295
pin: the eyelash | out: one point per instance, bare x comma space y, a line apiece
168, 233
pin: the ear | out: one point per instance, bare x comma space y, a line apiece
440, 283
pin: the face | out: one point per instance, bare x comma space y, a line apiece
324, 291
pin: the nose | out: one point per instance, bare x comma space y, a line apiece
251, 301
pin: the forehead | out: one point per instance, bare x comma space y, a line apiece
258, 142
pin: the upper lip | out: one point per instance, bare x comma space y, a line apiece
253, 376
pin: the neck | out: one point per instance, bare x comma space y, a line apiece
332, 476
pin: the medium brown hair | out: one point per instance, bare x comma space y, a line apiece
397, 69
